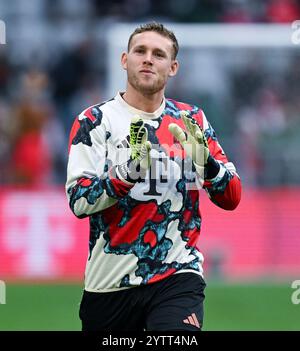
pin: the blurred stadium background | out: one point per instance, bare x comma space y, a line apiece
238, 62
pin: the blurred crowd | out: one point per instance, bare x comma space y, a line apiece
51, 69
208, 11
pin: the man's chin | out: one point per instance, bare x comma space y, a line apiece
147, 89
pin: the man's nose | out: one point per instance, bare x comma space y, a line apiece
148, 58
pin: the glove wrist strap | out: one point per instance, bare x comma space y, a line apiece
211, 168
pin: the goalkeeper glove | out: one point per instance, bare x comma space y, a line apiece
139, 162
195, 145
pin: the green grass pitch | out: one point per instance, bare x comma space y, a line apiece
238, 307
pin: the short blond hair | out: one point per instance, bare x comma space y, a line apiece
160, 29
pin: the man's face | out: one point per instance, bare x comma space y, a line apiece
149, 62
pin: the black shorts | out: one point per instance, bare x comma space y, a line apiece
174, 303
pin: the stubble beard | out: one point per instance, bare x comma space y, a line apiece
146, 89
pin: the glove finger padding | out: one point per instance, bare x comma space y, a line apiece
193, 127
145, 159
187, 121
201, 153
177, 132
135, 169
194, 143
196, 147
139, 144
187, 144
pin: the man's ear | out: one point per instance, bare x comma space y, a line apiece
174, 68
124, 60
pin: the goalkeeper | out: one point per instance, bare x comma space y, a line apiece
129, 170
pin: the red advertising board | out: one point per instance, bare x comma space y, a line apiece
261, 238
40, 238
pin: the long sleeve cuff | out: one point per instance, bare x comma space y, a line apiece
220, 181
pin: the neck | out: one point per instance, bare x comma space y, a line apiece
144, 102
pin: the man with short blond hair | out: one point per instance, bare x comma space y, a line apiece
137, 164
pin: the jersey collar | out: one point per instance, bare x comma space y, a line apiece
142, 114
